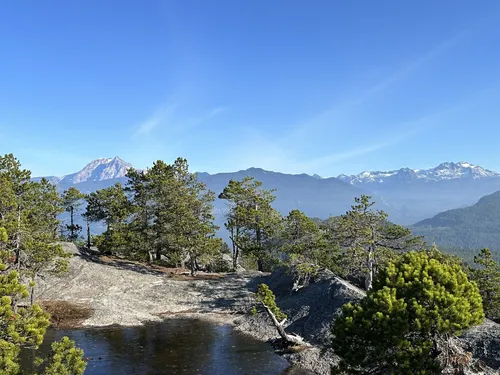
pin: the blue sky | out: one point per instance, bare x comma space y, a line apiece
323, 87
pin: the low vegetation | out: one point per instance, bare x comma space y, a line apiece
404, 322
65, 314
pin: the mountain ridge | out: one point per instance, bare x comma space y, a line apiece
444, 171
406, 198
473, 227
108, 168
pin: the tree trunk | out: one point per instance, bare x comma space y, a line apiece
260, 265
72, 230
88, 234
18, 239
235, 248
371, 262
151, 259
369, 276
32, 295
192, 265
291, 338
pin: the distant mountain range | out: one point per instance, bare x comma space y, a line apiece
407, 195
443, 172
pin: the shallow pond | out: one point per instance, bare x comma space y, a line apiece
175, 346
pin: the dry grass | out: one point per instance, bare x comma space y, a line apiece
64, 314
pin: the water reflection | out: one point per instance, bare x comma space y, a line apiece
177, 346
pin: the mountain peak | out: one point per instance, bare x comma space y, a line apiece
99, 170
444, 171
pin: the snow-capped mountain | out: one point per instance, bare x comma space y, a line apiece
98, 170
444, 171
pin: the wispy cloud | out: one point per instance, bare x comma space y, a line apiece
160, 117
263, 152
339, 113
169, 118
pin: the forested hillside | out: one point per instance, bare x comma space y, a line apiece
465, 230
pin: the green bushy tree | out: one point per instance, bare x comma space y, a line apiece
25, 327
369, 240
414, 304
28, 214
252, 221
305, 247
487, 277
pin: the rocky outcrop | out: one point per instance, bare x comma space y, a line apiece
484, 343
312, 309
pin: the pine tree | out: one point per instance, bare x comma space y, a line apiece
28, 214
252, 221
305, 246
403, 322
71, 200
267, 300
25, 327
110, 205
64, 359
42, 254
370, 240
183, 222
142, 215
487, 277
15, 189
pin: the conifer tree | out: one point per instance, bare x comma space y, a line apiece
15, 189
28, 214
71, 200
305, 246
402, 324
42, 254
252, 221
25, 327
183, 221
142, 215
370, 240
487, 277
110, 205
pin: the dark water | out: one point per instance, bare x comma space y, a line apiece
176, 346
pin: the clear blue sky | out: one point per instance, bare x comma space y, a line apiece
323, 87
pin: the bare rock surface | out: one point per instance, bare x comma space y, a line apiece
130, 294
484, 343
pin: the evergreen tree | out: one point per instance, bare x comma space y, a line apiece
23, 327
195, 222
487, 277
142, 215
370, 240
305, 247
42, 254
183, 221
71, 200
252, 222
64, 359
15, 189
110, 205
28, 214
402, 323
